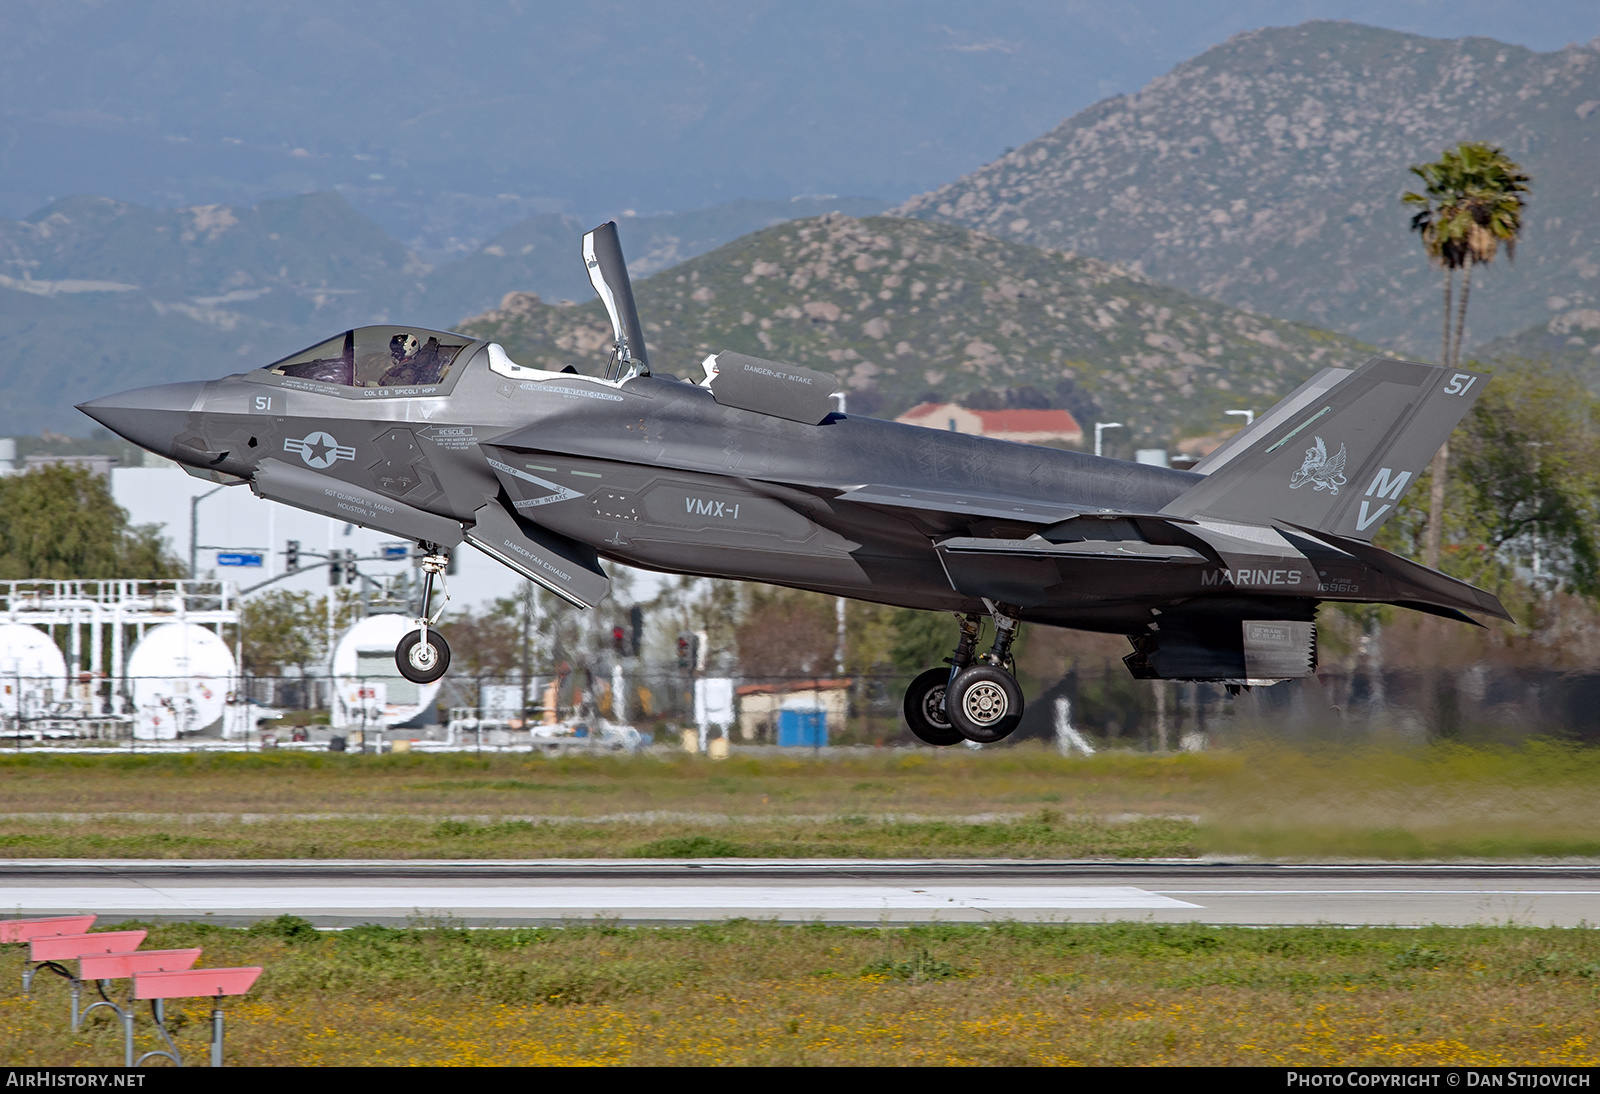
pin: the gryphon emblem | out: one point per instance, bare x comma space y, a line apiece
1322, 471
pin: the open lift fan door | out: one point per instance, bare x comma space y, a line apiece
1224, 649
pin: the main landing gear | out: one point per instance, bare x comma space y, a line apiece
422, 656
976, 698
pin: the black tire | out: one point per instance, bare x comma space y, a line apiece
422, 665
984, 704
924, 709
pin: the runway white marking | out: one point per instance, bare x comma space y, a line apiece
585, 900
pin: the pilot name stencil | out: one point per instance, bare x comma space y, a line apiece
319, 449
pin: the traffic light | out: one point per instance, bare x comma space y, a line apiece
688, 650
335, 566
350, 572
291, 556
636, 629
618, 640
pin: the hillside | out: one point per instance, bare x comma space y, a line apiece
1266, 173
897, 308
1569, 341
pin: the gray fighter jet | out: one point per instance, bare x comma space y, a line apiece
749, 472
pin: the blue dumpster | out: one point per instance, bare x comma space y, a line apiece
802, 728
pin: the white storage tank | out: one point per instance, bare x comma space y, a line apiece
181, 675
368, 688
33, 674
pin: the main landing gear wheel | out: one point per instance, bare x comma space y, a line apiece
924, 709
984, 703
419, 662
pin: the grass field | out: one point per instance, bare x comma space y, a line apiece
1438, 801
756, 993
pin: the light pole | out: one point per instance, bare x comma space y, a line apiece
194, 530
838, 604
1248, 416
1099, 433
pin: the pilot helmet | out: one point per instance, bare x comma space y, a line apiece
403, 346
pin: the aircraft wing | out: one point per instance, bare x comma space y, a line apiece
971, 505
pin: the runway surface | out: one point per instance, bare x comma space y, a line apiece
336, 894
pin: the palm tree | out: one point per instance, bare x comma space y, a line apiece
1471, 203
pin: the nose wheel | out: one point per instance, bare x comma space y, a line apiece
422, 660
423, 655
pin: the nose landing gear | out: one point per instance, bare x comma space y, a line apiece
977, 699
423, 656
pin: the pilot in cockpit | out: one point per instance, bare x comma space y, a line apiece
413, 363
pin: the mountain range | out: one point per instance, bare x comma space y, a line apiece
1266, 173
1124, 262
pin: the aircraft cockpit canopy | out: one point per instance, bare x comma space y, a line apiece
377, 357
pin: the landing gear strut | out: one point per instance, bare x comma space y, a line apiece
423, 656
977, 699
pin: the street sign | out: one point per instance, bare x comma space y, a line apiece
238, 558
396, 550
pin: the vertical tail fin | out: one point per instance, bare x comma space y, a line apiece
1339, 453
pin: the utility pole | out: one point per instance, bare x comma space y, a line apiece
838, 604
1099, 432
527, 645
194, 531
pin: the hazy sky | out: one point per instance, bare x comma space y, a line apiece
443, 120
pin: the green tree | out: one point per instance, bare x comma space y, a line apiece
489, 641
1527, 496
786, 632
61, 522
282, 628
1470, 204
1530, 465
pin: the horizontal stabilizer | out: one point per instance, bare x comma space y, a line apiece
1439, 589
1340, 457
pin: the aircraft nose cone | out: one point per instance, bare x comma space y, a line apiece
148, 416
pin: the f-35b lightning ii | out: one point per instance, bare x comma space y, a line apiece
749, 473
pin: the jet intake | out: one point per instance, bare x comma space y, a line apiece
1226, 643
